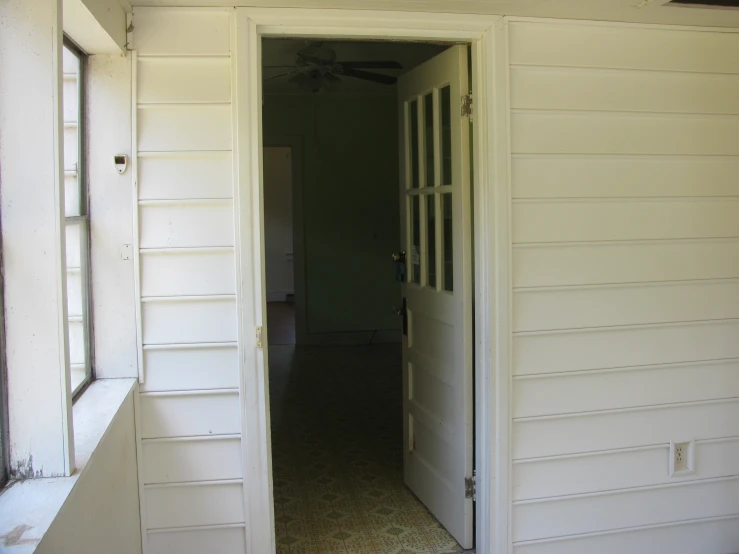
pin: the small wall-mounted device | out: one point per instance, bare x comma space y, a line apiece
121, 162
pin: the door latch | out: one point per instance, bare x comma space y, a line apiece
467, 105
399, 260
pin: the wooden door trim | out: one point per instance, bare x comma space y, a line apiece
492, 247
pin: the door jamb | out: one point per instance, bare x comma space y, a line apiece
492, 246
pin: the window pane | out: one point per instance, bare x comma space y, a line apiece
416, 238
428, 137
71, 109
431, 238
413, 124
76, 265
448, 242
445, 99
77, 224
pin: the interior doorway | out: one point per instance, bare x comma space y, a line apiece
347, 396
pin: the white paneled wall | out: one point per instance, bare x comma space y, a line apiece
189, 408
625, 157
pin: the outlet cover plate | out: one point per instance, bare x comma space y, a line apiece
682, 458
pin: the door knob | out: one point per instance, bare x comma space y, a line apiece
399, 257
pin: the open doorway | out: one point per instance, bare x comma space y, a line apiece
361, 448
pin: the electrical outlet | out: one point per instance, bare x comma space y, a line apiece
682, 458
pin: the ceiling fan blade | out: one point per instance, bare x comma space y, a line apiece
368, 76
279, 75
372, 65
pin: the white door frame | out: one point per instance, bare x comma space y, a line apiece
492, 251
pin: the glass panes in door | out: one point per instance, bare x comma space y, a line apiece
447, 243
428, 139
431, 239
415, 260
446, 135
429, 189
413, 131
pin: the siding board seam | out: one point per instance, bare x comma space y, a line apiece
592, 453
614, 114
188, 250
648, 407
147, 104
181, 484
604, 328
627, 490
524, 21
196, 528
190, 392
189, 345
626, 284
627, 529
565, 155
194, 438
629, 242
189, 298
167, 57
180, 105
182, 201
180, 151
621, 199
623, 369
611, 451
611, 70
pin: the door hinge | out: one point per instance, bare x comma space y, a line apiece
259, 337
467, 105
470, 487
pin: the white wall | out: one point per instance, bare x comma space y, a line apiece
101, 513
278, 222
190, 413
625, 146
625, 230
111, 216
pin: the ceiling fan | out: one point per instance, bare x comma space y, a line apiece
316, 69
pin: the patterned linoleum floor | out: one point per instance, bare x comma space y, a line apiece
337, 461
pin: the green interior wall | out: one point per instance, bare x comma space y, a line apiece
350, 205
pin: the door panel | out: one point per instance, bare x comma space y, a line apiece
436, 230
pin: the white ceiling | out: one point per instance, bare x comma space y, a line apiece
278, 57
635, 11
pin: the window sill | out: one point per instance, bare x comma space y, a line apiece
28, 508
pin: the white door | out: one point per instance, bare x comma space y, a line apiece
437, 342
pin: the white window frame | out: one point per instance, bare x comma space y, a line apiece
488, 37
83, 219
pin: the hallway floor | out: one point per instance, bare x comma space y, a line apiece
337, 460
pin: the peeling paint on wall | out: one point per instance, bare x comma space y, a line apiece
24, 470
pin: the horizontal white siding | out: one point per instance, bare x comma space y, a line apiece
194, 505
196, 541
191, 414
625, 207
190, 408
185, 460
